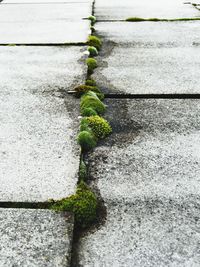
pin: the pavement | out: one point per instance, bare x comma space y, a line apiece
39, 122
146, 173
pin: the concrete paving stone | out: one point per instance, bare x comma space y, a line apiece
148, 173
39, 153
117, 9
149, 58
47, 23
45, 1
32, 238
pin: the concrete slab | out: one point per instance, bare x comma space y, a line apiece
149, 58
116, 9
39, 153
45, 1
44, 23
44, 12
148, 175
35, 238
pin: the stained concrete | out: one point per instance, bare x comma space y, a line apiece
47, 23
117, 9
149, 57
35, 238
39, 153
148, 173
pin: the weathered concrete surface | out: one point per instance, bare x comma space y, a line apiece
149, 57
35, 238
44, 23
117, 9
39, 153
148, 175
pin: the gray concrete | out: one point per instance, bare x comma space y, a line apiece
32, 238
39, 153
44, 23
148, 175
117, 9
45, 1
149, 57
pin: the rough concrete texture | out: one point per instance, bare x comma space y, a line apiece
32, 238
47, 23
117, 9
148, 175
149, 57
39, 154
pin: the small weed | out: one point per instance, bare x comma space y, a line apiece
83, 204
94, 41
93, 51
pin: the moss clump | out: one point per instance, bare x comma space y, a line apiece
82, 89
94, 41
93, 51
100, 127
83, 204
90, 100
91, 82
82, 171
87, 112
92, 28
86, 140
92, 19
92, 64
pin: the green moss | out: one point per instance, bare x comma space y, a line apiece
92, 19
90, 100
92, 64
91, 82
94, 41
86, 140
93, 51
87, 112
82, 171
83, 204
135, 19
82, 89
100, 127
92, 28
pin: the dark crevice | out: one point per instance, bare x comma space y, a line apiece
24, 205
156, 96
47, 44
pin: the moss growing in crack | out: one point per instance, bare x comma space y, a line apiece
91, 100
100, 127
87, 112
83, 204
136, 19
87, 140
93, 51
82, 171
82, 89
94, 41
92, 19
91, 82
92, 64
92, 28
